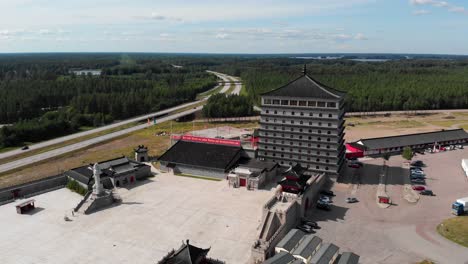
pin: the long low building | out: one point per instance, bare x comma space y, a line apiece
202, 159
376, 146
116, 172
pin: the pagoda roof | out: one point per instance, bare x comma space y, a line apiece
307, 87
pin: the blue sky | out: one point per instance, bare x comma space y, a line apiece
240, 26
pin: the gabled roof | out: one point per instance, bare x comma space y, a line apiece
413, 139
280, 258
257, 164
324, 254
187, 254
307, 246
349, 258
306, 87
201, 154
291, 240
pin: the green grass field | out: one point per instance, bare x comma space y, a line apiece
455, 229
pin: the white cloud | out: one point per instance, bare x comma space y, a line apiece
457, 9
222, 35
421, 12
360, 36
437, 3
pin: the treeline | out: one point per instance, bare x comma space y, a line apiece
221, 105
383, 86
44, 100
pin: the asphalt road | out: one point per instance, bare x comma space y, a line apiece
85, 143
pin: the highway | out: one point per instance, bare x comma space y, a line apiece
114, 125
86, 143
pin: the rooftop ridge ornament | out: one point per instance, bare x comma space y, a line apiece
304, 70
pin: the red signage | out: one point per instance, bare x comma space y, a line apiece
217, 141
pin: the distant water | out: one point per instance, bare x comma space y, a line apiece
371, 60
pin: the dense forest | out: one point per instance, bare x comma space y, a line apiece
370, 86
43, 97
221, 105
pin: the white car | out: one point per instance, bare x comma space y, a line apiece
417, 172
325, 199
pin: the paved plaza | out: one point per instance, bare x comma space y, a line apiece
404, 232
154, 217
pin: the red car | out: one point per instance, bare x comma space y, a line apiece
419, 188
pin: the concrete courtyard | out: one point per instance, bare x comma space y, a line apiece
404, 232
155, 217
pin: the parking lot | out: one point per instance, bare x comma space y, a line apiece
154, 218
404, 232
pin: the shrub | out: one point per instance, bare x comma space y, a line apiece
76, 187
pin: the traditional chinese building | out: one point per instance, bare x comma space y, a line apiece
302, 123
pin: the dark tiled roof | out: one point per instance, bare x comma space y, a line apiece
324, 254
290, 241
306, 87
187, 254
307, 246
280, 258
257, 164
141, 149
348, 258
201, 154
113, 162
414, 139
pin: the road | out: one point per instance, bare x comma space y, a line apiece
86, 143
114, 125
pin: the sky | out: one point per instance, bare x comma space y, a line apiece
235, 26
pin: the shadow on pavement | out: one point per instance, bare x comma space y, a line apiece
369, 174
336, 213
35, 211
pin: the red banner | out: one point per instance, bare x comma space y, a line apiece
217, 141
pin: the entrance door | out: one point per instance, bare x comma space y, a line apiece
242, 182
132, 179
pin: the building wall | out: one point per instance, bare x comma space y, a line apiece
399, 149
33, 188
198, 171
309, 135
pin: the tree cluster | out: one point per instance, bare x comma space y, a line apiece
221, 105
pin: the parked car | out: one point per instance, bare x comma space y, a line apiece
418, 181
351, 200
306, 229
356, 162
354, 165
24, 148
325, 199
310, 223
429, 150
419, 188
422, 177
323, 206
459, 146
417, 163
427, 192
417, 172
442, 149
327, 192
416, 168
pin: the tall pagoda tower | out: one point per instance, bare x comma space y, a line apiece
302, 123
